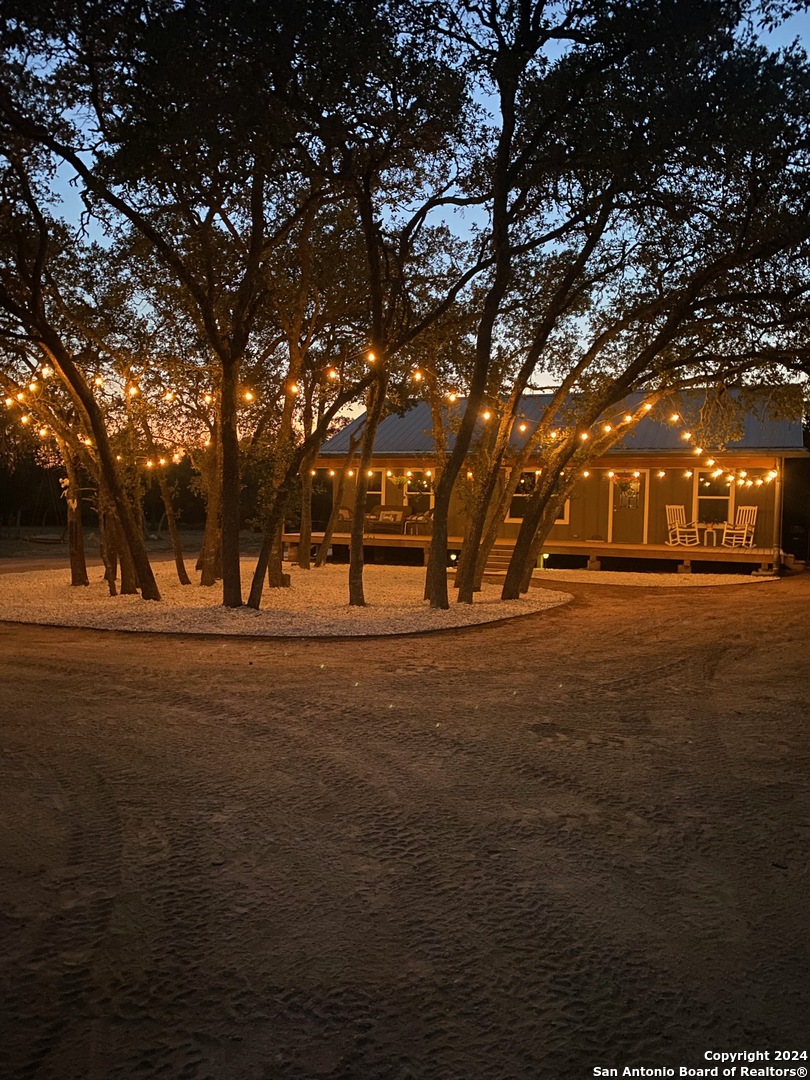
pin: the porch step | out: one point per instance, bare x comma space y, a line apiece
498, 561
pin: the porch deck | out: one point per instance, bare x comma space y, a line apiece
591, 550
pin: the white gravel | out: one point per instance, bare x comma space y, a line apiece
316, 604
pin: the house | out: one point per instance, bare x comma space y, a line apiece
617, 508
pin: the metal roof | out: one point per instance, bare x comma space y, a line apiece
412, 433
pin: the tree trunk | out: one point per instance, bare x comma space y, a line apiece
174, 532
495, 520
78, 564
323, 550
305, 536
542, 502
276, 578
107, 546
376, 402
129, 574
231, 493
209, 562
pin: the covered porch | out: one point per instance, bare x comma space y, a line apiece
592, 551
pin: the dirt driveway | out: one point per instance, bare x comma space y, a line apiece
522, 851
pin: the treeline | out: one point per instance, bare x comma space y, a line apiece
222, 224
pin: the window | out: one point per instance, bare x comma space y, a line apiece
714, 497
517, 508
374, 496
419, 492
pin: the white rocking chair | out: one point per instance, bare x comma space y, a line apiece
679, 531
741, 533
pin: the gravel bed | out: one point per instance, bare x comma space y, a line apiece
314, 606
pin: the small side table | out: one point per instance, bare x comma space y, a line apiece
709, 530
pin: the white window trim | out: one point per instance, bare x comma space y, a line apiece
564, 520
696, 496
431, 494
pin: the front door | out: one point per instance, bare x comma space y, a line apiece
629, 492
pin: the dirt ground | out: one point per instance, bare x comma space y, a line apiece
520, 851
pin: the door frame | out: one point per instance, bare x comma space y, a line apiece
646, 521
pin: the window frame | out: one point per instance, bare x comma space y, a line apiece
566, 515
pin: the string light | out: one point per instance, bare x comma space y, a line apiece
21, 396
584, 436
607, 429
389, 473
248, 395
331, 472
417, 376
522, 427
370, 472
32, 386
586, 473
487, 414
43, 431
628, 418
453, 397
675, 417
647, 406
169, 395
687, 435
331, 373
351, 472
688, 474
661, 474
294, 388
636, 474
25, 419
9, 402
208, 399
371, 357
99, 381
312, 472
469, 475
133, 391
611, 474
47, 371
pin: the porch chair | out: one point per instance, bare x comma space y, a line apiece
679, 531
417, 522
741, 532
